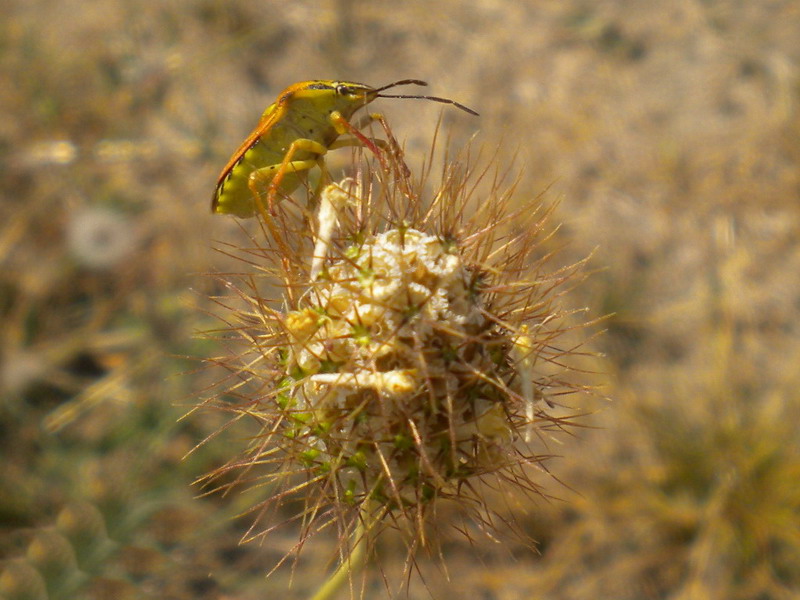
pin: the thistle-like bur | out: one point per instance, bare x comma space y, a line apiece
413, 357
398, 384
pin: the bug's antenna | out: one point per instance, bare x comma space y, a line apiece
401, 82
418, 82
435, 99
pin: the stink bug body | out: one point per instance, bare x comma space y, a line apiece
293, 135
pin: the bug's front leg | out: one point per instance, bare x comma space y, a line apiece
388, 145
355, 138
391, 145
343, 126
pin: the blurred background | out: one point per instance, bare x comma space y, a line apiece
670, 134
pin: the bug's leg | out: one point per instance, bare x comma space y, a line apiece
389, 145
289, 165
271, 176
343, 126
391, 141
324, 179
346, 142
402, 171
342, 142
369, 119
266, 177
259, 180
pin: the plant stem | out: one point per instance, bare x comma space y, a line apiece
355, 559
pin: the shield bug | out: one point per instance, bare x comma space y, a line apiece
293, 136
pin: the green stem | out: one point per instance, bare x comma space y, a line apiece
354, 561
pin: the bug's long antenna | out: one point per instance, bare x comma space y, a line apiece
401, 82
435, 99
418, 82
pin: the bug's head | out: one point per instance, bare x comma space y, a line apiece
350, 96
325, 96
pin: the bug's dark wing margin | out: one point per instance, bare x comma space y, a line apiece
265, 124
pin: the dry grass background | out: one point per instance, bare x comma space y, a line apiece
671, 133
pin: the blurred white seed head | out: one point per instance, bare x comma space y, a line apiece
99, 238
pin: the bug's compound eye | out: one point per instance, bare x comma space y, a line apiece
345, 90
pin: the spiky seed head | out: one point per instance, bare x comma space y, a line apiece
409, 356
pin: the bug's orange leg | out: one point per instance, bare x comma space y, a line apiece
324, 179
342, 126
257, 181
346, 142
373, 144
403, 171
391, 140
301, 144
271, 176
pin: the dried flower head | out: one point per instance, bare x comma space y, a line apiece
412, 355
100, 239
